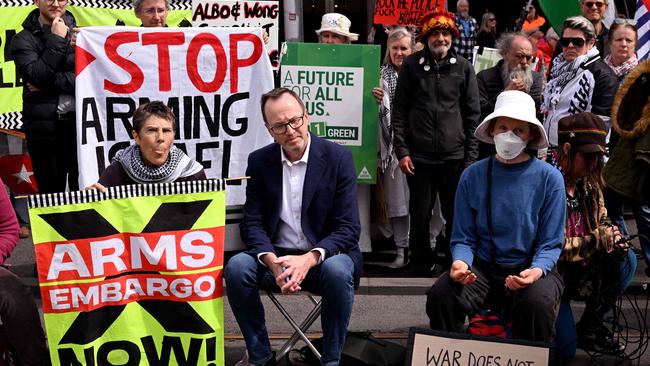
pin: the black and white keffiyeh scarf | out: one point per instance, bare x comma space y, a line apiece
388, 84
178, 165
562, 73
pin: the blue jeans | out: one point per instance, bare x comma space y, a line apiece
332, 279
614, 203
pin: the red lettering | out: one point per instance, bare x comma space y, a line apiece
193, 50
163, 41
114, 41
235, 62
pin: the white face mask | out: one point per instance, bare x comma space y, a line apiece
509, 145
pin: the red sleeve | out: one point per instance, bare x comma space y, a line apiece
8, 225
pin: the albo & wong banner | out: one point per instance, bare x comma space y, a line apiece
86, 13
132, 276
335, 82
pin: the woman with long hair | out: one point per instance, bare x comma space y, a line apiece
487, 34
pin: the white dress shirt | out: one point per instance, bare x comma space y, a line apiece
289, 234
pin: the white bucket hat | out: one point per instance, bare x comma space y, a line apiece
517, 105
337, 24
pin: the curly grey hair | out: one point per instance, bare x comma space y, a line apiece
504, 43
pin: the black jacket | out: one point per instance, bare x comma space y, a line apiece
46, 61
435, 112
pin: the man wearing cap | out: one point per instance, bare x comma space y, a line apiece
508, 230
335, 29
594, 264
435, 112
513, 72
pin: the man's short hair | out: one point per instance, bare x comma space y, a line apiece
274, 95
580, 23
137, 4
461, 1
153, 108
504, 43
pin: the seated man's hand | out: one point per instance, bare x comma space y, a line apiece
526, 278
295, 270
461, 273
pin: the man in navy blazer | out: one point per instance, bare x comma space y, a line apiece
301, 227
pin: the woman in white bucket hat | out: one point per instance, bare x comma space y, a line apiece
335, 29
508, 230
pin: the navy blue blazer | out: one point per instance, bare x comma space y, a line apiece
330, 215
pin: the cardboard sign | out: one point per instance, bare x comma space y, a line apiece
431, 348
404, 12
488, 57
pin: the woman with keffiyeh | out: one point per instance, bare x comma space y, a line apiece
580, 81
396, 193
153, 158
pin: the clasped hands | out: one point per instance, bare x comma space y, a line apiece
290, 270
461, 273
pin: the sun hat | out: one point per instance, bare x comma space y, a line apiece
337, 24
517, 105
438, 20
586, 132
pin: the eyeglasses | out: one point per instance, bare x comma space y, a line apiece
591, 4
524, 57
281, 128
51, 2
631, 22
577, 41
492, 19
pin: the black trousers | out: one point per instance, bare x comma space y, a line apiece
20, 319
423, 186
54, 159
533, 310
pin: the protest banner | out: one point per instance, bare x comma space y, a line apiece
132, 276
265, 14
426, 347
335, 83
404, 12
86, 13
485, 57
212, 78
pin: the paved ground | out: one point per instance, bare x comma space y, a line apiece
387, 307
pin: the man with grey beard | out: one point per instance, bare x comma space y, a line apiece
513, 72
435, 111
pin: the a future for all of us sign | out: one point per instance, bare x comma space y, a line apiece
212, 78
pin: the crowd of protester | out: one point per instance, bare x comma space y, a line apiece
516, 156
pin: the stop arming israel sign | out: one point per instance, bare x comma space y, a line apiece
212, 78
132, 276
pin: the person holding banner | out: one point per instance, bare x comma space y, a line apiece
301, 227
45, 60
152, 13
393, 181
335, 29
154, 158
18, 312
435, 112
508, 230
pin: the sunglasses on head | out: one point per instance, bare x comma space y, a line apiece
577, 41
590, 4
631, 22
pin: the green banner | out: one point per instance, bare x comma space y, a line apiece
557, 11
132, 276
335, 83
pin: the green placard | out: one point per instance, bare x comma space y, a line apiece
335, 83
